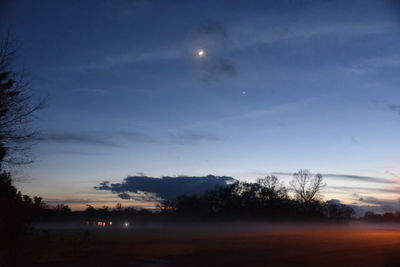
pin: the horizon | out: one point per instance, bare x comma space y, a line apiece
151, 89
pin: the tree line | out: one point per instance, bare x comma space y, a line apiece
267, 198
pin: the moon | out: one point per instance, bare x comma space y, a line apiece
201, 53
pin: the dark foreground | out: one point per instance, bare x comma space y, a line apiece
208, 245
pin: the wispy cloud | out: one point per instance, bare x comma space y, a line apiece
140, 196
221, 41
129, 7
254, 32
98, 91
214, 39
361, 189
360, 178
54, 201
217, 68
394, 108
71, 152
255, 114
137, 137
380, 202
378, 62
373, 64
112, 139
132, 57
120, 138
77, 138
363, 204
186, 137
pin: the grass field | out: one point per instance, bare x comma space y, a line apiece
216, 245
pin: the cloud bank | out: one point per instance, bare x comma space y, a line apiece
144, 188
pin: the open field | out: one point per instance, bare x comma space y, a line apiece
220, 244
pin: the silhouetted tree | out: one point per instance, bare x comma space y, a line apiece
63, 208
271, 188
118, 207
16, 136
385, 217
369, 215
90, 213
16, 110
338, 211
17, 211
306, 188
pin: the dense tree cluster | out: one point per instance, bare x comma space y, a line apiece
265, 199
17, 209
117, 215
385, 217
17, 212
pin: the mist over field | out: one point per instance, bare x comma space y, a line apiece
238, 243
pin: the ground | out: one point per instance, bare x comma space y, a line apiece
216, 245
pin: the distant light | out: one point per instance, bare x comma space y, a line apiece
201, 53
126, 224
244, 92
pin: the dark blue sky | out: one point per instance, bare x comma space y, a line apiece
282, 85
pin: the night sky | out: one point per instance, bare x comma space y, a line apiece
229, 88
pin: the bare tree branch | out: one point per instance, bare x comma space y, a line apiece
306, 188
16, 110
